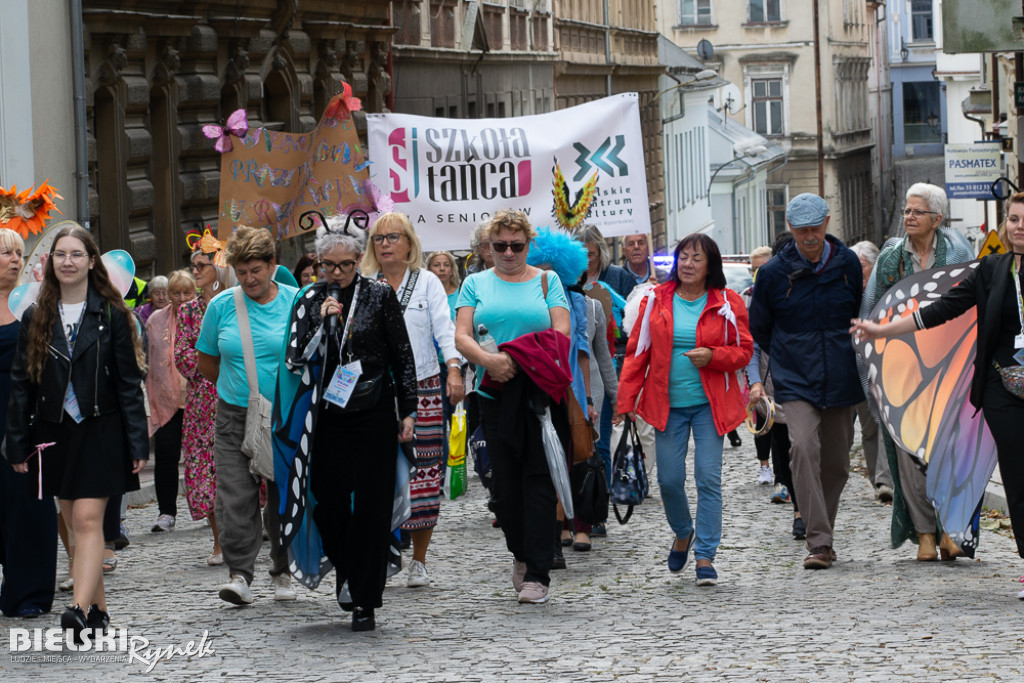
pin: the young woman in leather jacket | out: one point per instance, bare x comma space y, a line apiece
77, 419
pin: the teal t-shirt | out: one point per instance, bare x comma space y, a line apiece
453, 299
684, 387
219, 336
510, 309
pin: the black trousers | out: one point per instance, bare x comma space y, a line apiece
167, 454
763, 444
1004, 414
352, 476
28, 544
111, 519
780, 460
525, 495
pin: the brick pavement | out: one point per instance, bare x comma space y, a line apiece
615, 614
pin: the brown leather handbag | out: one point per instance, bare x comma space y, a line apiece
583, 434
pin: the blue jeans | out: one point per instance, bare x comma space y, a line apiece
672, 445
603, 445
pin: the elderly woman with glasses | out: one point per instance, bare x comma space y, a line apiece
396, 258
925, 246
342, 450
511, 301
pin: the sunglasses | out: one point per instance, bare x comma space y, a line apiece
501, 247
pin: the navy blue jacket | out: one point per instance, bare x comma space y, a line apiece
802, 320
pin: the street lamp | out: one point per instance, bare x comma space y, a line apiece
702, 75
748, 152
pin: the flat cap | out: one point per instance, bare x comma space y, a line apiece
805, 210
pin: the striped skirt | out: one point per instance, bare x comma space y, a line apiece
425, 488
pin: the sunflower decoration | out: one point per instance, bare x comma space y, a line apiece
569, 216
26, 212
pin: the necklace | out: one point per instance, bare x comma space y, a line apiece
686, 297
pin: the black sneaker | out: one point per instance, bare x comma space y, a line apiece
799, 529
73, 620
599, 530
98, 620
734, 439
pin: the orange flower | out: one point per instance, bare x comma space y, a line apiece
26, 212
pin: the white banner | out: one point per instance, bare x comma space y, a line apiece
450, 174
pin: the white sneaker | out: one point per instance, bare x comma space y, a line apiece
765, 476
283, 587
236, 591
1020, 596
418, 576
163, 523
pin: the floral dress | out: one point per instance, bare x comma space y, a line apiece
200, 411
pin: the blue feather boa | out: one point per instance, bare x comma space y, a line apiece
566, 256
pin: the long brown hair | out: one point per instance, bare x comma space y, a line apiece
40, 331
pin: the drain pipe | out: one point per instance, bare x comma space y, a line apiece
78, 91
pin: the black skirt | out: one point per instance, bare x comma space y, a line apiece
89, 459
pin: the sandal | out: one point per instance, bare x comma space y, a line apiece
109, 563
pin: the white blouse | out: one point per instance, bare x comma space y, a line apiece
428, 318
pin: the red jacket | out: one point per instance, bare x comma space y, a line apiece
650, 370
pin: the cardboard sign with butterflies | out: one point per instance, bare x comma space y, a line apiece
280, 181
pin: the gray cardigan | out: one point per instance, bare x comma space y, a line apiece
602, 371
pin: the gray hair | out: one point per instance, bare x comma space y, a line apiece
479, 235
933, 195
866, 250
158, 282
589, 234
337, 235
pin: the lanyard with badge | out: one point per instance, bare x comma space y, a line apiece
71, 335
1018, 341
340, 389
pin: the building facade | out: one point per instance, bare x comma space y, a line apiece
607, 47
802, 71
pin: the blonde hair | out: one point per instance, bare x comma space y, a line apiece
510, 219
248, 244
761, 252
392, 221
11, 241
1015, 198
455, 278
181, 279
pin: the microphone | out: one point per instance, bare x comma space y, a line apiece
333, 291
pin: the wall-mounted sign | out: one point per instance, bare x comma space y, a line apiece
971, 168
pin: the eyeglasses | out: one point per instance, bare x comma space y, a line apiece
72, 255
331, 267
392, 237
501, 247
198, 267
917, 213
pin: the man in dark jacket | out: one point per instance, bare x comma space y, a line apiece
800, 314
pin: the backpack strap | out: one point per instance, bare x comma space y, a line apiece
544, 284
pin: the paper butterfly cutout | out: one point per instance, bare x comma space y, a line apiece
341, 106
208, 244
237, 125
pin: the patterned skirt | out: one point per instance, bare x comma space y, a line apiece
426, 487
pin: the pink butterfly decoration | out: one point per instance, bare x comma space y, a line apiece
238, 125
382, 201
341, 106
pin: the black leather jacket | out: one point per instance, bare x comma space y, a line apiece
102, 368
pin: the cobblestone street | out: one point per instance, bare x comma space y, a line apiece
615, 614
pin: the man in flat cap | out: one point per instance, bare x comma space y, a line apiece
800, 314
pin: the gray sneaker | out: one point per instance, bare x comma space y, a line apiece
283, 587
533, 593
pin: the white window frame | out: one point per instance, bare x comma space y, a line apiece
694, 17
760, 72
764, 11
912, 14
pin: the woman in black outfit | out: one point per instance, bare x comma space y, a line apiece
351, 465
995, 287
76, 382
28, 525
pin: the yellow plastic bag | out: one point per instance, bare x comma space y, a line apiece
455, 477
